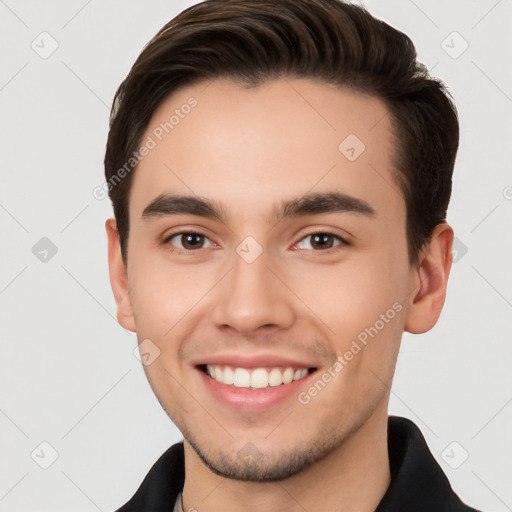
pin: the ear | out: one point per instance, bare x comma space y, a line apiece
429, 280
118, 277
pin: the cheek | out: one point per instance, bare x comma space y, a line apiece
351, 296
162, 294
361, 305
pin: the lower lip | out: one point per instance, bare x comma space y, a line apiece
253, 399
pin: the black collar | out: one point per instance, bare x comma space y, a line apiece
417, 481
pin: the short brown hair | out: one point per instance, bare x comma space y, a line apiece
253, 41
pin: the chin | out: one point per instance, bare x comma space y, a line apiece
250, 464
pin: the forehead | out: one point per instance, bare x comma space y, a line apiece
250, 147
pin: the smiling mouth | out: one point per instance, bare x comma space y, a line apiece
254, 378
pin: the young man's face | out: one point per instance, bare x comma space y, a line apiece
326, 286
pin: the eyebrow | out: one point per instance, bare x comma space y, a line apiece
309, 204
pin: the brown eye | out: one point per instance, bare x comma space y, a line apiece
321, 241
189, 241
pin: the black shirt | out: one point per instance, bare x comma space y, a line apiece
418, 483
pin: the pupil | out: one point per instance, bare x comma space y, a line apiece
322, 240
192, 240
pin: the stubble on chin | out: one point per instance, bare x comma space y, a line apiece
250, 464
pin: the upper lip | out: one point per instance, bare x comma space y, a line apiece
254, 361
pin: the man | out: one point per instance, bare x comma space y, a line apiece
280, 174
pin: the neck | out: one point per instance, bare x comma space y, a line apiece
353, 477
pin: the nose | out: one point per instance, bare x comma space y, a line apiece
253, 297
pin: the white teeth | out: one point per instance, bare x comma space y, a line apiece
228, 376
259, 378
242, 378
287, 375
275, 377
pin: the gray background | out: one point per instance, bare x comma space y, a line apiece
68, 374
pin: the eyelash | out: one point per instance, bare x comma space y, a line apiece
343, 241
174, 250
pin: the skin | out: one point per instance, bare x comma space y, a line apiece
248, 150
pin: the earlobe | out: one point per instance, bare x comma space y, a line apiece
118, 277
429, 280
